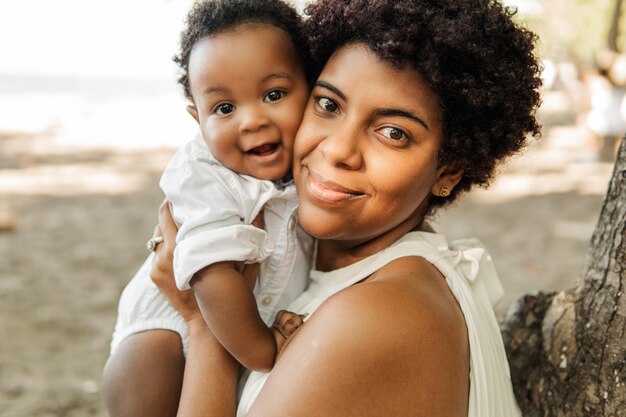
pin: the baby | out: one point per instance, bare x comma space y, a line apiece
245, 78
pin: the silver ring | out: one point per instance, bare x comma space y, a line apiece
152, 243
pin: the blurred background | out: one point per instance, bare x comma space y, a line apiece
90, 113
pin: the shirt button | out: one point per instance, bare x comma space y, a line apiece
267, 300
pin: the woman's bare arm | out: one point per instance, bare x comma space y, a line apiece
386, 347
210, 377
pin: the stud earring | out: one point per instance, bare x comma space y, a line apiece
444, 192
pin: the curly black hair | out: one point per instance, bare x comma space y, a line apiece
211, 17
479, 62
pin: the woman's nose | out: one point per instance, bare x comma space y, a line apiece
342, 147
253, 118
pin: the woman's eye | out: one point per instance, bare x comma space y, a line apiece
393, 133
274, 95
327, 104
224, 108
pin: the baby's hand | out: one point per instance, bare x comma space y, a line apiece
287, 322
284, 326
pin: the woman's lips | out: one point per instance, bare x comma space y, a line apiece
329, 191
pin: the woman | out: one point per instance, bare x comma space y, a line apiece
417, 101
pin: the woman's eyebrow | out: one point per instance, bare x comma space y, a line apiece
402, 113
380, 112
329, 86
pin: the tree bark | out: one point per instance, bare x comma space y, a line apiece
614, 31
567, 350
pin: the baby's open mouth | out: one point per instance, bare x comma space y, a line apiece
265, 149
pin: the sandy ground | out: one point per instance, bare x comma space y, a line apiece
81, 216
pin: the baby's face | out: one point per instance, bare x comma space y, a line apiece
249, 91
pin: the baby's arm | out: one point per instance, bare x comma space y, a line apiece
230, 310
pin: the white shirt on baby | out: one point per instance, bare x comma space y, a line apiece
216, 206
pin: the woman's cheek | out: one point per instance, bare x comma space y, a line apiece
305, 140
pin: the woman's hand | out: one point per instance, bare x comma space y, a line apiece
162, 272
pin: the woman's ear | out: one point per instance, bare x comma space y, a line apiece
193, 111
449, 177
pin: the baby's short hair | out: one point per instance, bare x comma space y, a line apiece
211, 17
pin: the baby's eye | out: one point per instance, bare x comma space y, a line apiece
327, 104
393, 133
224, 108
274, 95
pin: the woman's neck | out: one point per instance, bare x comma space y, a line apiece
335, 254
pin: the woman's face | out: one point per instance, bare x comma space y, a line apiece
366, 152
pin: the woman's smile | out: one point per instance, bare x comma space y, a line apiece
328, 191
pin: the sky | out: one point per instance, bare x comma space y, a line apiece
113, 38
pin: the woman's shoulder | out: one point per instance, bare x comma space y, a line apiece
408, 292
388, 343
405, 310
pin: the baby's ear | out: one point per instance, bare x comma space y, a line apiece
193, 111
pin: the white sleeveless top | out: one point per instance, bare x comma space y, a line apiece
472, 278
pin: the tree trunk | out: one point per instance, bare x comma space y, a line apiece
614, 31
567, 350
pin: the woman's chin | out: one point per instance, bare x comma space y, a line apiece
318, 224
316, 230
